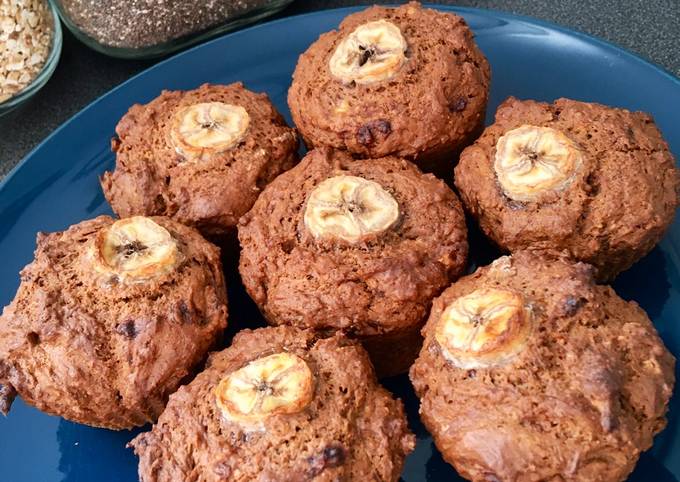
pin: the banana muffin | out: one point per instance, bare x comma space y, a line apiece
200, 157
596, 181
279, 404
531, 371
110, 318
406, 81
361, 246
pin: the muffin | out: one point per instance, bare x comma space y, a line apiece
406, 81
110, 318
279, 404
200, 157
361, 246
531, 371
595, 181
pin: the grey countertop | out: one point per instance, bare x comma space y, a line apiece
650, 28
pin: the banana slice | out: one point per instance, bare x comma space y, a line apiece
350, 208
201, 130
135, 250
533, 161
485, 328
276, 384
373, 52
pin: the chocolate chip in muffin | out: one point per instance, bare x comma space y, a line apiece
373, 131
331, 456
221, 469
458, 105
127, 328
572, 304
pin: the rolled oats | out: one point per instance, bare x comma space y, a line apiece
26, 31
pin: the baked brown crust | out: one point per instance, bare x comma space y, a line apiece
351, 430
378, 290
614, 211
152, 178
584, 397
428, 111
103, 353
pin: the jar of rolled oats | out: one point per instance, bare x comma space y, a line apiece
30, 46
151, 28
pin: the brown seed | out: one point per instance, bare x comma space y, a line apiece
366, 54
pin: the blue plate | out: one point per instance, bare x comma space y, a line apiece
57, 185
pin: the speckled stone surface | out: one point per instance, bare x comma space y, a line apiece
650, 28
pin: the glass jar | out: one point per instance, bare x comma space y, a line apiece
151, 28
47, 68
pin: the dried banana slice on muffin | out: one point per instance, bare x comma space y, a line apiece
279, 404
484, 327
359, 246
373, 52
200, 156
350, 208
596, 181
406, 81
134, 250
110, 318
278, 383
202, 130
532, 371
533, 161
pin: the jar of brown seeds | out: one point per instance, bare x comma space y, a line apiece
151, 28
